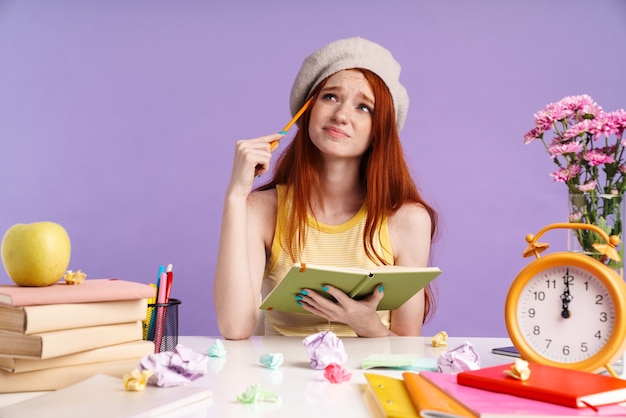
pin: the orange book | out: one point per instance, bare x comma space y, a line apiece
429, 398
95, 290
572, 388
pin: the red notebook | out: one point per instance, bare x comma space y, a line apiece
556, 385
485, 403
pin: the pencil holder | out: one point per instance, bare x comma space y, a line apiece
164, 326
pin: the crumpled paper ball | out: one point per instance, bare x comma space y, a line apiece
325, 348
440, 339
254, 393
519, 370
175, 368
336, 373
74, 277
136, 381
271, 360
217, 349
459, 359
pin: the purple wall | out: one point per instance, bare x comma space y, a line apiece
118, 120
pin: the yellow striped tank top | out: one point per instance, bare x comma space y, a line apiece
337, 245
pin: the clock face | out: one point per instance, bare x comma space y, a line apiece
565, 314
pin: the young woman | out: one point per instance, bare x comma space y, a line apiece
341, 194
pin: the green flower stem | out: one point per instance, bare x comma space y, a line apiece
604, 212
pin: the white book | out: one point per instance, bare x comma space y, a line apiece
102, 395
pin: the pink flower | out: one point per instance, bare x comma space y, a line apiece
583, 103
566, 108
588, 144
575, 217
597, 157
612, 123
566, 174
604, 126
619, 119
545, 119
335, 373
532, 135
577, 129
560, 149
587, 187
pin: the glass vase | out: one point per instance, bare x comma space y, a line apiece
605, 211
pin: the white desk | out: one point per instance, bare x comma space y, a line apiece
304, 392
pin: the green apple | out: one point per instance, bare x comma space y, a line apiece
36, 254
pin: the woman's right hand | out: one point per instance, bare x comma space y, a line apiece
252, 158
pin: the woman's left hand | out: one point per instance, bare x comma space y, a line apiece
359, 315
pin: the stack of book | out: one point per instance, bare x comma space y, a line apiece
53, 336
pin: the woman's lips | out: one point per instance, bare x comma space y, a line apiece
336, 132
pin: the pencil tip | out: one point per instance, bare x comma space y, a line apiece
169, 268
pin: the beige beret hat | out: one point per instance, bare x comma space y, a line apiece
342, 55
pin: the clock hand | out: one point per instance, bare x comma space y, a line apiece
566, 297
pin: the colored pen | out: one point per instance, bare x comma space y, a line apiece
170, 276
160, 314
147, 323
293, 120
161, 271
153, 319
162, 288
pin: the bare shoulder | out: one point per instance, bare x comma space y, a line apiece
409, 216
262, 207
409, 232
262, 199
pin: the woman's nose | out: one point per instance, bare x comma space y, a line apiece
341, 114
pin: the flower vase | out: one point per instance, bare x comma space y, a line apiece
605, 211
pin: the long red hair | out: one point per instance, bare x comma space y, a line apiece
385, 178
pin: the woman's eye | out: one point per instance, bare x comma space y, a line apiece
329, 96
365, 108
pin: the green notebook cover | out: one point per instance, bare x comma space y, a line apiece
400, 283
